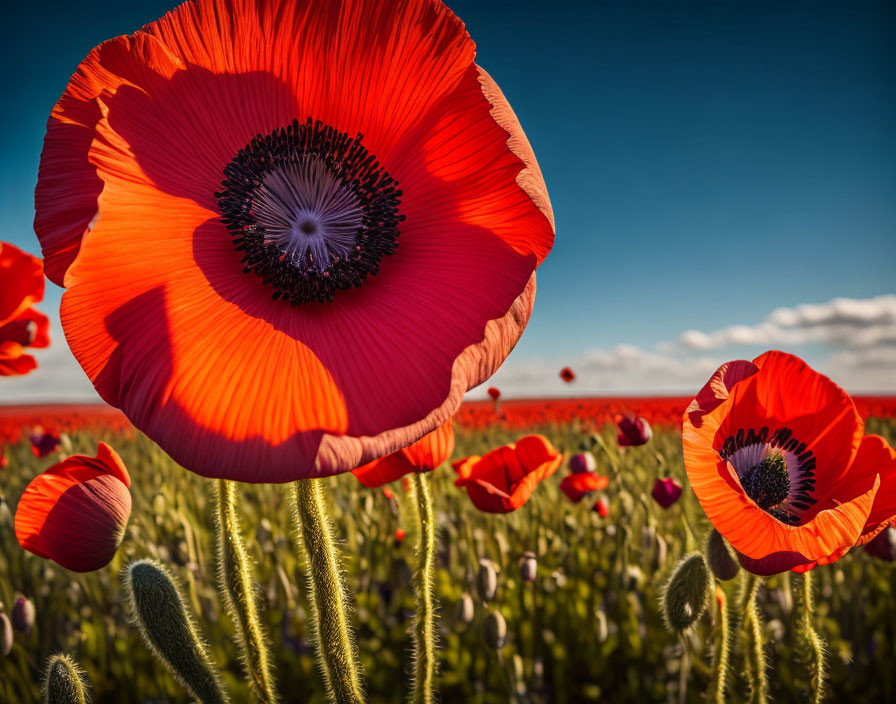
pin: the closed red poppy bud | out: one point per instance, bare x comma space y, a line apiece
43, 443
23, 615
504, 479
399, 535
528, 567
494, 393
6, 635
601, 508
75, 512
883, 546
577, 486
567, 374
582, 462
666, 491
633, 431
719, 557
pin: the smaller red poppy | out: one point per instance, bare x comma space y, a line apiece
582, 462
494, 393
567, 374
75, 512
423, 456
399, 535
21, 325
577, 486
504, 479
43, 443
666, 491
633, 431
601, 508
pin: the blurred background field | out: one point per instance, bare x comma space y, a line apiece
587, 629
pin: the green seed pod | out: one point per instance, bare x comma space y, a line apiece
23, 615
160, 613
465, 609
495, 630
528, 567
486, 580
64, 682
686, 593
721, 562
6, 635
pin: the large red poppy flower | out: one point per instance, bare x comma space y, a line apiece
504, 479
245, 279
75, 512
577, 486
777, 456
21, 325
422, 456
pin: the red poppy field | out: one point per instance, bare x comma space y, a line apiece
578, 592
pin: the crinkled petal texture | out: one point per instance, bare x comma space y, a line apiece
422, 456
21, 325
75, 512
577, 486
504, 479
158, 310
784, 392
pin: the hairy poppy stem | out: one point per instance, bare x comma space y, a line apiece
424, 622
756, 670
811, 640
720, 675
336, 653
235, 581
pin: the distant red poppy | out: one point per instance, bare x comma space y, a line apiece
422, 456
75, 512
666, 491
778, 457
504, 479
633, 431
388, 493
601, 508
399, 535
3, 460
293, 234
577, 486
22, 326
43, 442
567, 374
494, 393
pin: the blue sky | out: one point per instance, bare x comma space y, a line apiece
708, 163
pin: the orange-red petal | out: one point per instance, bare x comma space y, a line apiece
577, 486
21, 281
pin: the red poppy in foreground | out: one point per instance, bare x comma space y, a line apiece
423, 456
331, 191
75, 512
567, 374
666, 491
633, 431
504, 479
778, 458
577, 486
21, 325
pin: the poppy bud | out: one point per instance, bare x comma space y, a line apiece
718, 554
528, 567
686, 593
64, 682
160, 613
601, 508
883, 545
633, 431
494, 393
23, 615
465, 609
6, 635
666, 491
486, 580
582, 462
495, 630
43, 443
50, 518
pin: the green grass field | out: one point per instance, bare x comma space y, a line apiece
589, 628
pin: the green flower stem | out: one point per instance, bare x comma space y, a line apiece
756, 653
235, 581
336, 653
811, 640
424, 622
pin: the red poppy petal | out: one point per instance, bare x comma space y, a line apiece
23, 281
432, 449
464, 469
716, 390
577, 486
382, 471
534, 451
14, 361
874, 458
